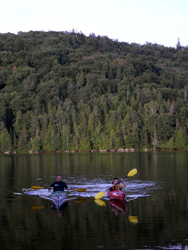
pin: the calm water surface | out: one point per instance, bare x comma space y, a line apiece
154, 216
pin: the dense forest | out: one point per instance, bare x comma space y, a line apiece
70, 92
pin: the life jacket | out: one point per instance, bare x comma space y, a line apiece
115, 187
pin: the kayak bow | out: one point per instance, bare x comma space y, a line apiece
117, 194
58, 198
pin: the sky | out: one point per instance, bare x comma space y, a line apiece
134, 21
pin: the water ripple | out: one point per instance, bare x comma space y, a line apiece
135, 189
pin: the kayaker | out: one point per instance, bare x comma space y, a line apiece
116, 184
58, 184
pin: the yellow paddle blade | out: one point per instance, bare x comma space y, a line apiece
80, 189
99, 195
100, 202
132, 172
36, 187
133, 219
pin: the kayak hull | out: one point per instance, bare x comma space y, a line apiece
58, 198
58, 193
117, 195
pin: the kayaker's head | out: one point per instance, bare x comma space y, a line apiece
115, 181
58, 178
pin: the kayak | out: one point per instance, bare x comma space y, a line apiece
117, 194
58, 193
58, 198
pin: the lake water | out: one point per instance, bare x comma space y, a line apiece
154, 216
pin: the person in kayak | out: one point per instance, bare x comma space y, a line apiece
116, 184
58, 184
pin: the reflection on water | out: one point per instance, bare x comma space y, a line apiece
118, 206
154, 216
133, 219
37, 207
58, 208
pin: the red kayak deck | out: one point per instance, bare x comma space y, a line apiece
117, 194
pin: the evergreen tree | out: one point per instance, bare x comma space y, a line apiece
36, 144
170, 144
76, 137
51, 139
179, 140
66, 138
97, 138
84, 143
113, 140
23, 140
5, 139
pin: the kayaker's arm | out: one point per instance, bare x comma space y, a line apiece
124, 184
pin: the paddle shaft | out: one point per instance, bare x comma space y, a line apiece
76, 189
122, 179
117, 183
131, 173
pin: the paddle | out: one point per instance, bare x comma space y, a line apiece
131, 173
76, 189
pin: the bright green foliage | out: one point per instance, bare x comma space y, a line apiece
66, 91
66, 138
170, 143
134, 137
51, 139
84, 143
97, 138
36, 144
23, 139
113, 143
5, 139
179, 141
76, 137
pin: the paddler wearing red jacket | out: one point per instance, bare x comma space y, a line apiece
116, 185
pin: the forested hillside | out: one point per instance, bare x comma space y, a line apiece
65, 91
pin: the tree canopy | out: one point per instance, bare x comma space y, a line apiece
66, 91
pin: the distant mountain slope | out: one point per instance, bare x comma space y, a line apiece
66, 91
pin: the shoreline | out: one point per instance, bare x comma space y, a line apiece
121, 150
